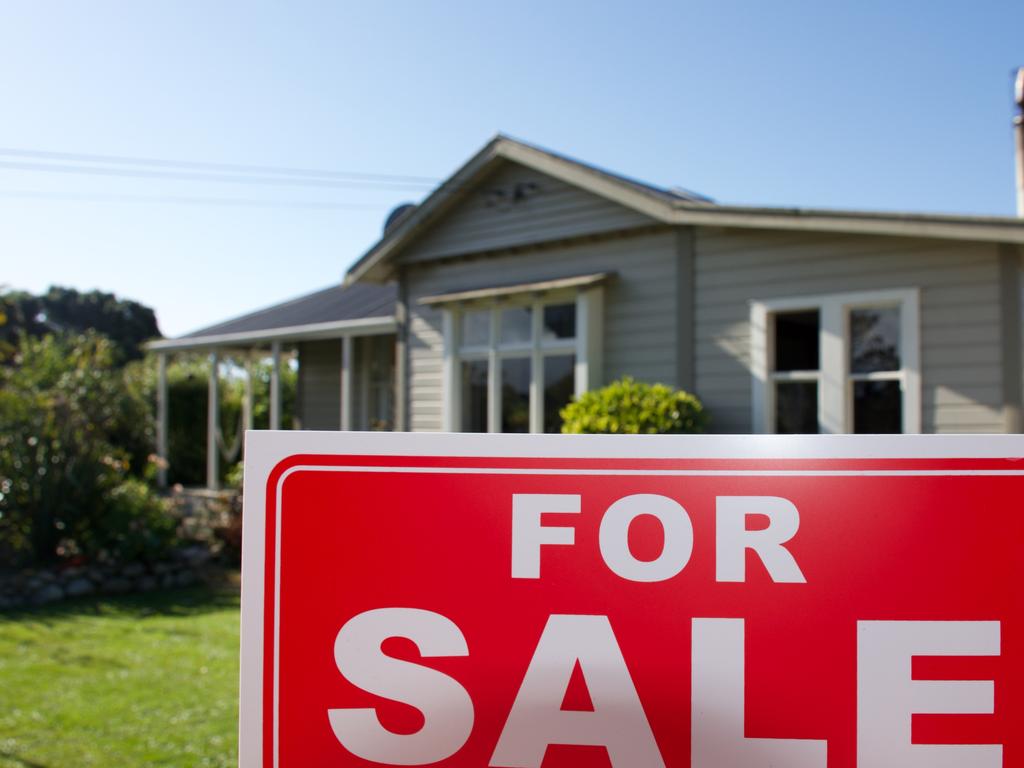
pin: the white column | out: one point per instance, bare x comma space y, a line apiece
212, 422
161, 419
346, 383
451, 393
832, 416
275, 385
247, 403
494, 377
536, 369
589, 372
762, 396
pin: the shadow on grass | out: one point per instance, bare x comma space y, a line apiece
24, 762
187, 601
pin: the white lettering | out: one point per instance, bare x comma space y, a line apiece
528, 534
716, 719
617, 722
614, 537
732, 539
446, 706
887, 696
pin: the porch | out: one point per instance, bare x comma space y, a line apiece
340, 340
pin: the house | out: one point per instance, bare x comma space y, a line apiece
528, 277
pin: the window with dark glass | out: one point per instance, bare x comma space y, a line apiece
876, 378
515, 394
796, 371
842, 363
559, 321
796, 341
474, 396
559, 387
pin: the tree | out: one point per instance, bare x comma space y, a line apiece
65, 310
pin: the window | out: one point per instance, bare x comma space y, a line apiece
512, 365
839, 363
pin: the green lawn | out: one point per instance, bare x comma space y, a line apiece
132, 681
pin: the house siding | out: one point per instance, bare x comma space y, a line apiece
553, 210
961, 357
640, 317
319, 384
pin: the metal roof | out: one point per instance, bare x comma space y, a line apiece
324, 306
358, 310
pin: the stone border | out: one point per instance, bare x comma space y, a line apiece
36, 587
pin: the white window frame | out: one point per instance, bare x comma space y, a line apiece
586, 347
835, 381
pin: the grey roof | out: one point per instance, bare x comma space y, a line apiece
332, 304
672, 206
669, 194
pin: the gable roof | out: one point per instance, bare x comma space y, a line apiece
668, 206
631, 193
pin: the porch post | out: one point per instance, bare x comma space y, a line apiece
212, 422
275, 385
346, 383
247, 405
161, 419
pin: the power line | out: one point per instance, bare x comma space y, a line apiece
220, 178
207, 166
185, 200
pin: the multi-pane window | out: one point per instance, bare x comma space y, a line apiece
516, 365
841, 363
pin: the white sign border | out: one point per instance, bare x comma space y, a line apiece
264, 450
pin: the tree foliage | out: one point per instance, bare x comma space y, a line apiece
65, 310
73, 454
631, 407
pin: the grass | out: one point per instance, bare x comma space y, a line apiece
139, 680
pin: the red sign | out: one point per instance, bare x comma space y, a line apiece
548, 602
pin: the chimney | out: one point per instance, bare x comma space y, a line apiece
1018, 131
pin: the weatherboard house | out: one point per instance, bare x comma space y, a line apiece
528, 277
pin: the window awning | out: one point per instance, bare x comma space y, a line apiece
543, 286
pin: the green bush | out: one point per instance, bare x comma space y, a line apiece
73, 452
629, 407
133, 523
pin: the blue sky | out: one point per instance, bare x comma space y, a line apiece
877, 105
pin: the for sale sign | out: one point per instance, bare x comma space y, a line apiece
555, 601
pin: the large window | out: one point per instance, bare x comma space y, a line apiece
838, 363
513, 365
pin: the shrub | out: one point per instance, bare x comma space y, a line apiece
72, 452
133, 523
630, 407
230, 534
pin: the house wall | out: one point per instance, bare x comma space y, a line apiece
640, 310
319, 385
961, 357
489, 218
